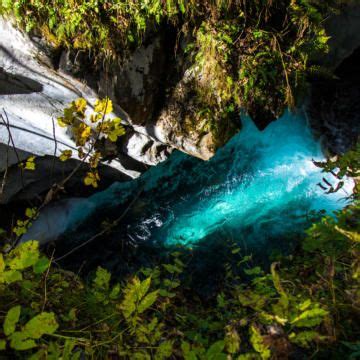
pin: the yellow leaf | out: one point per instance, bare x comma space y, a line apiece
65, 155
61, 122
104, 106
29, 164
92, 179
80, 105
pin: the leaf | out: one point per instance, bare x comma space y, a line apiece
31, 213
65, 155
11, 276
80, 105
232, 340
144, 288
164, 350
30, 163
215, 351
352, 235
310, 318
24, 256
187, 352
41, 265
254, 271
305, 338
147, 301
2, 263
102, 279
2, 344
68, 348
44, 323
91, 179
104, 106
257, 343
11, 319
19, 341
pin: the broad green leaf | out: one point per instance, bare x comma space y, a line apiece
310, 318
305, 338
164, 351
215, 351
144, 288
11, 276
232, 340
188, 354
20, 341
41, 265
147, 301
102, 278
2, 263
44, 323
257, 343
11, 319
68, 348
2, 344
24, 256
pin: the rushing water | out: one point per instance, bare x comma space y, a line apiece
257, 190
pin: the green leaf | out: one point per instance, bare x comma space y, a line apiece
305, 338
68, 348
24, 256
215, 351
11, 319
44, 323
310, 318
232, 340
19, 341
11, 276
147, 301
41, 265
2, 345
102, 279
144, 288
2, 263
257, 343
164, 350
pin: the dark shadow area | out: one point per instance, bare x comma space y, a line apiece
11, 84
334, 106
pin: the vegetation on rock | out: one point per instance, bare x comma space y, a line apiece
253, 55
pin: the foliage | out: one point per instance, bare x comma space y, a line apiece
306, 302
89, 131
253, 54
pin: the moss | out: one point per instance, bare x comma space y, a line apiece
251, 54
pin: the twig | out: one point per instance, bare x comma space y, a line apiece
6, 168
7, 125
55, 149
46, 276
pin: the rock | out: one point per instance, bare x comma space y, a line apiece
344, 32
334, 107
32, 96
145, 150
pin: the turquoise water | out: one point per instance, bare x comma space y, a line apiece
258, 189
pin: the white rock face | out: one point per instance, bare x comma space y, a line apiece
33, 94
